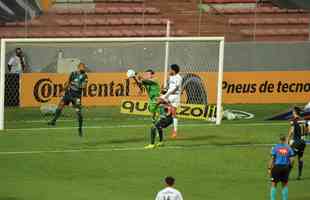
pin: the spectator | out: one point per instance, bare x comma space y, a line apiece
17, 63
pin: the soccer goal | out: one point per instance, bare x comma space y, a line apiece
32, 83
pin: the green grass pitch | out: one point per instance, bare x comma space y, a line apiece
209, 162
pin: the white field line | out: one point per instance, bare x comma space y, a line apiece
136, 126
126, 149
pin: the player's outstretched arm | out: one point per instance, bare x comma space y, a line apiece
138, 81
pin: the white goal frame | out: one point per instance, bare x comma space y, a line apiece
167, 39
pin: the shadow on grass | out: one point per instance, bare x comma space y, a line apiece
10, 198
198, 138
197, 141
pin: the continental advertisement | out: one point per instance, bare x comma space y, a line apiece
111, 89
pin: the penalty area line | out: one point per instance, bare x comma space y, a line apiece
129, 149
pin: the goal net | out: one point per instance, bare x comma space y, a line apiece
32, 83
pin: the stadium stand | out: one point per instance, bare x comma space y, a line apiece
237, 20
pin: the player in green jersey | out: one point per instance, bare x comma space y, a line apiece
152, 87
73, 94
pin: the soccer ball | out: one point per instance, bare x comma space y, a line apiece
227, 114
48, 109
131, 73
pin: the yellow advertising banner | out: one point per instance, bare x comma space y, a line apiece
184, 111
112, 88
102, 89
266, 87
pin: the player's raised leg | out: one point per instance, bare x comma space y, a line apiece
59, 109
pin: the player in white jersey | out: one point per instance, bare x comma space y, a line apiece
169, 193
173, 94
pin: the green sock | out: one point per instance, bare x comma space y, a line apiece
153, 135
285, 193
273, 193
57, 114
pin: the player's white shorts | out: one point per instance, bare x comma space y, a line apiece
174, 100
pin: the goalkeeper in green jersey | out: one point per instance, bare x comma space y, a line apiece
152, 87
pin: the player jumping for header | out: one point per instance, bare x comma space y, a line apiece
173, 94
73, 94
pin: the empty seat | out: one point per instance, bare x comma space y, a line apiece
62, 22
129, 33
35, 34
49, 33
266, 10
113, 10
116, 33
102, 33
101, 21
128, 21
114, 22
76, 22
151, 10
89, 33
90, 21
229, 1
276, 32
10, 24
119, 1
75, 33
61, 33
268, 21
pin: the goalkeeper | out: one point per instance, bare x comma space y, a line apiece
73, 94
151, 85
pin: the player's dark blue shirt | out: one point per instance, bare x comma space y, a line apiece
297, 131
76, 82
281, 154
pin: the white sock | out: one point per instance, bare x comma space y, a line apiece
175, 124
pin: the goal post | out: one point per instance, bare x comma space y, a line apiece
180, 48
